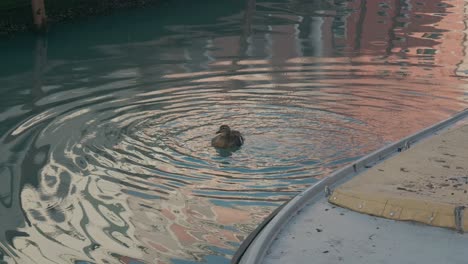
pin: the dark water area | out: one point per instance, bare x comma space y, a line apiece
106, 122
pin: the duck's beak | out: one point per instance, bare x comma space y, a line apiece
219, 131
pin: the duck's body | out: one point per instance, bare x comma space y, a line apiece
227, 138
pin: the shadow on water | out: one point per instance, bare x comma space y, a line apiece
226, 152
106, 123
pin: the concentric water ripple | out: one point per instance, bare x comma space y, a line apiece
106, 150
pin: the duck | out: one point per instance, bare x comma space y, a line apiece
227, 138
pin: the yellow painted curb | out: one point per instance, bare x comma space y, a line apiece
425, 183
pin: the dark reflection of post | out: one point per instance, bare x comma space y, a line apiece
247, 27
6, 188
244, 39
40, 63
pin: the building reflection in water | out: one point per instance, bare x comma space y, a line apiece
366, 72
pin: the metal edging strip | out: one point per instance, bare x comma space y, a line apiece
253, 249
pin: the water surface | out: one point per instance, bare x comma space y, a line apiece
106, 122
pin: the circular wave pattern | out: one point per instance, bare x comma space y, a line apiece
131, 174
117, 173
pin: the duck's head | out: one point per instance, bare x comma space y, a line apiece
224, 130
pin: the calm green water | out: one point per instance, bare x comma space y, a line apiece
106, 122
